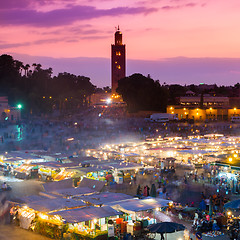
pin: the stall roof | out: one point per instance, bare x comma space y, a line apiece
105, 197
156, 202
92, 184
234, 164
49, 187
194, 151
130, 154
55, 204
125, 166
33, 198
22, 156
136, 205
84, 159
58, 164
90, 169
86, 214
73, 191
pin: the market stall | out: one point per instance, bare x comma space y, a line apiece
102, 199
26, 171
138, 213
34, 214
89, 222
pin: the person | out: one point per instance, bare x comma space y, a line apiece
134, 178
148, 188
4, 186
162, 236
145, 192
185, 179
234, 234
139, 191
215, 226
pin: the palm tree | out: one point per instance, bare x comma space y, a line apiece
27, 66
34, 66
38, 67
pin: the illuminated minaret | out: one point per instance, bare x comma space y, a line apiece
118, 60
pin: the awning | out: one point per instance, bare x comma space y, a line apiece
105, 197
137, 205
95, 185
86, 214
78, 191
55, 204
49, 187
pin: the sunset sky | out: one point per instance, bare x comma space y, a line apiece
175, 41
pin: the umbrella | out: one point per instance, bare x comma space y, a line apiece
233, 204
166, 227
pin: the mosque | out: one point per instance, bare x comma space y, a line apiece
118, 71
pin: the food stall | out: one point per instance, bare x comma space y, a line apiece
123, 171
34, 214
89, 222
139, 213
26, 171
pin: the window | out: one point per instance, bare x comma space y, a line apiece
118, 53
118, 67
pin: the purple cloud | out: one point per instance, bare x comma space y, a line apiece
4, 45
23, 4
13, 45
38, 42
65, 16
178, 6
14, 4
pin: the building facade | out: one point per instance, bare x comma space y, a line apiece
7, 113
118, 57
211, 108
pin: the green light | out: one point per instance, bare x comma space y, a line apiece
19, 106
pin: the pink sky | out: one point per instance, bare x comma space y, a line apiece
153, 31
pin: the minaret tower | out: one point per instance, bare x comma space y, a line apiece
118, 60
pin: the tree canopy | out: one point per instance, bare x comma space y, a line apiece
38, 90
142, 93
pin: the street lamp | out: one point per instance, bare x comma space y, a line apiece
19, 106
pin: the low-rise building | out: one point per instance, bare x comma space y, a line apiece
7, 113
204, 108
